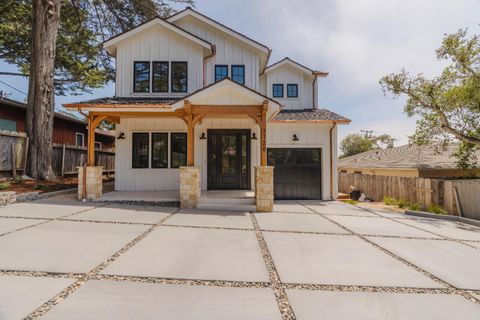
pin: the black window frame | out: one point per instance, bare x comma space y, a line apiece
171, 76
215, 71
171, 149
153, 75
242, 66
149, 76
133, 150
152, 163
273, 90
295, 85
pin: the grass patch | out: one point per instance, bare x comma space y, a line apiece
4, 186
18, 180
402, 203
414, 207
40, 187
436, 209
351, 201
390, 201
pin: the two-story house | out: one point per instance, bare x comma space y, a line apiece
191, 92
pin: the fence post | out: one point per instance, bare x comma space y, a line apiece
14, 160
63, 160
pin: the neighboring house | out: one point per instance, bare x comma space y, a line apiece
190, 91
66, 129
404, 161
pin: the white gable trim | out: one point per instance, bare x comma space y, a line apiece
189, 12
296, 65
109, 45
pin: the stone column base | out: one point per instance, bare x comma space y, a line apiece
189, 187
91, 186
264, 188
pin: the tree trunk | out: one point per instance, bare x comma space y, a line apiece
41, 97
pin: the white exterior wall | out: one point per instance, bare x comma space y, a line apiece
288, 75
315, 135
130, 179
229, 51
157, 44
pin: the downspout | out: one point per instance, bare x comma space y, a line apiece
84, 178
331, 159
214, 51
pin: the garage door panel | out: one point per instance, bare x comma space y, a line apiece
297, 173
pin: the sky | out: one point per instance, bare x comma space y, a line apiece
356, 41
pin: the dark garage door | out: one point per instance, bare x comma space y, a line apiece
297, 173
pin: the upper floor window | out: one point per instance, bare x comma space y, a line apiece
160, 76
221, 71
238, 73
277, 90
179, 76
141, 76
292, 90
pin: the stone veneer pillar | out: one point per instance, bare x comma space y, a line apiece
189, 187
93, 181
264, 188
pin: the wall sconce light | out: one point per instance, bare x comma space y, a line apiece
203, 136
121, 136
295, 138
254, 137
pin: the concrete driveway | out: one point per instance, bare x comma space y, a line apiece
61, 259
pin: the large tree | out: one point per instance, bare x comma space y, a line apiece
58, 43
356, 143
448, 106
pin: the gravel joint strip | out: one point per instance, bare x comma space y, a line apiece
283, 303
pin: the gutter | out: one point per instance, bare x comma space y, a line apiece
214, 52
331, 159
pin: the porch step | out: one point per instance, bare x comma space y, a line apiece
236, 200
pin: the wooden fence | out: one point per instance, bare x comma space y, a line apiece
66, 159
458, 197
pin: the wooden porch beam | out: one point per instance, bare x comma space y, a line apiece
263, 135
190, 134
93, 122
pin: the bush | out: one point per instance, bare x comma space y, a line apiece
414, 207
41, 187
389, 201
18, 180
402, 203
436, 209
350, 201
4, 186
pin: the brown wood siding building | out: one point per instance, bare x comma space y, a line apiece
65, 128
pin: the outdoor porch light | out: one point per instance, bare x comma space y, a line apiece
121, 136
295, 138
203, 136
254, 137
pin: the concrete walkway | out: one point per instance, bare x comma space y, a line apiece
61, 259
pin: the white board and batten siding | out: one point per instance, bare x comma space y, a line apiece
157, 44
315, 135
229, 51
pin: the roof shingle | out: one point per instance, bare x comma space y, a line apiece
309, 115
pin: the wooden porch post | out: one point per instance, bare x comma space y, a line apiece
190, 135
93, 122
263, 134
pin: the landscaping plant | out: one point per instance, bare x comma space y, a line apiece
436, 209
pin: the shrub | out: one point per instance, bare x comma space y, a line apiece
41, 187
389, 201
18, 180
436, 209
402, 203
414, 207
350, 201
4, 186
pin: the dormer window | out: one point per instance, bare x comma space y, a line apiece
221, 71
277, 90
160, 76
141, 76
292, 90
238, 73
179, 76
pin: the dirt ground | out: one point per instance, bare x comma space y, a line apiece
43, 186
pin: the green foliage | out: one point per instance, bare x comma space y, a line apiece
390, 201
40, 187
18, 180
401, 203
356, 143
351, 201
414, 207
436, 209
4, 186
448, 106
80, 62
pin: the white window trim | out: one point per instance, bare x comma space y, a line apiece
83, 139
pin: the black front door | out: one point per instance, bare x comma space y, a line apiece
228, 159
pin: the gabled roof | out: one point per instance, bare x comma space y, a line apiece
188, 11
109, 45
294, 64
406, 156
